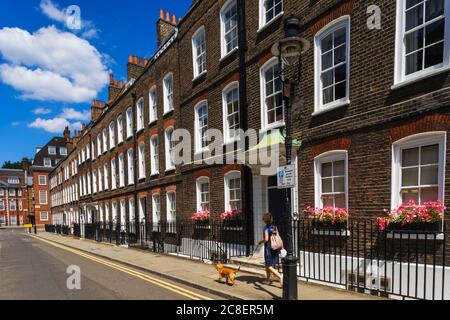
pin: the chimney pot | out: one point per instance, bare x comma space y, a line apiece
168, 16
130, 58
161, 14
135, 60
174, 19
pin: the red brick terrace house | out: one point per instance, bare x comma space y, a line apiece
371, 110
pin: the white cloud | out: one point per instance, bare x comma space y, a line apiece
51, 10
72, 114
51, 65
40, 111
55, 125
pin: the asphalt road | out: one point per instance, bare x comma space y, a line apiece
34, 270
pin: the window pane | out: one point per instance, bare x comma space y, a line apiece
339, 201
410, 157
410, 3
429, 175
327, 186
328, 201
434, 55
414, 41
327, 43
340, 54
435, 32
328, 95
414, 62
327, 78
339, 185
327, 170
339, 168
434, 8
429, 194
410, 195
327, 60
340, 73
340, 90
414, 17
410, 177
339, 37
430, 155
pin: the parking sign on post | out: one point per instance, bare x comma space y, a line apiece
286, 177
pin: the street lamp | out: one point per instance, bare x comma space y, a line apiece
288, 50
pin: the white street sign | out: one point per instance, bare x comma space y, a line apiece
286, 177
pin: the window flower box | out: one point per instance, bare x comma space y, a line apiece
328, 221
232, 225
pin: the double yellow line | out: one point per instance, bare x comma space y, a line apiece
163, 284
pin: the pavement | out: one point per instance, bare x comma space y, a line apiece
199, 275
31, 269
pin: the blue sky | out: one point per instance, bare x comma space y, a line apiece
49, 72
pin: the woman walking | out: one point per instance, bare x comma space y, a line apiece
271, 256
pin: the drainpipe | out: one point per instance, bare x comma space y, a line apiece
246, 181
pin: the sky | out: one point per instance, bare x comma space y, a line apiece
53, 64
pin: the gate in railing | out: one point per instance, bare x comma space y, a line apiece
392, 263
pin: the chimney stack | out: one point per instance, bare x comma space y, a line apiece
114, 88
165, 25
135, 66
96, 110
67, 134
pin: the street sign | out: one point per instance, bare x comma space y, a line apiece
286, 177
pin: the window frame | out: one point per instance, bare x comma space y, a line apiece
400, 78
223, 33
39, 180
169, 165
153, 105
120, 129
41, 202
327, 157
45, 162
113, 174
53, 153
169, 105
141, 161
121, 158
196, 54
333, 26
262, 15
265, 126
232, 175
112, 135
169, 208
154, 155
156, 209
140, 115
199, 182
199, 148
414, 141
129, 118
226, 128
130, 166
61, 149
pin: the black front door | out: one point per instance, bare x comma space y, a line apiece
277, 204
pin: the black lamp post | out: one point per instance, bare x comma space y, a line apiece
289, 50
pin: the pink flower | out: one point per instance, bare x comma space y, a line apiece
327, 214
201, 216
230, 215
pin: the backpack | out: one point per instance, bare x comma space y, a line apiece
275, 240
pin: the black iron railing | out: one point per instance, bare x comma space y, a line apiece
357, 256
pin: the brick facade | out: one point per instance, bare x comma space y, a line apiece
377, 115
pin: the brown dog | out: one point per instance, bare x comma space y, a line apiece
228, 273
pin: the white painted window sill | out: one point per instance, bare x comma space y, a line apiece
331, 108
267, 24
272, 126
420, 77
226, 55
199, 76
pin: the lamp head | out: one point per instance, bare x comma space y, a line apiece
292, 45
